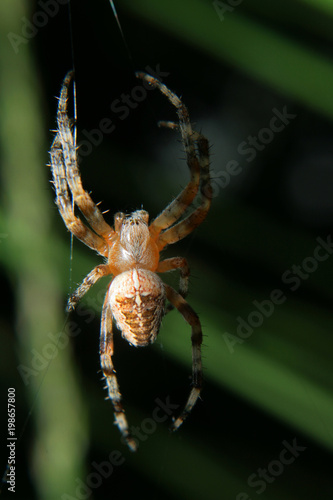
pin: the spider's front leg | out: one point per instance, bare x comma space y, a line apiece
187, 225
179, 205
106, 353
192, 319
64, 202
73, 177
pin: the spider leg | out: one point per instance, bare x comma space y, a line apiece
178, 206
192, 319
172, 264
81, 198
96, 274
187, 225
64, 202
106, 353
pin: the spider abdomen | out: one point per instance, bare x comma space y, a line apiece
137, 299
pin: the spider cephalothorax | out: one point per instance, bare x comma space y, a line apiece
136, 296
133, 246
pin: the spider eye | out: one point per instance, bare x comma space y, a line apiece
142, 215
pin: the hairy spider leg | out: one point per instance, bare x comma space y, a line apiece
192, 319
171, 265
64, 202
178, 206
187, 225
81, 198
96, 274
106, 353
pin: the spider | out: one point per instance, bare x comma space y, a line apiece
136, 296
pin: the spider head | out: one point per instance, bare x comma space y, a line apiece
130, 222
133, 229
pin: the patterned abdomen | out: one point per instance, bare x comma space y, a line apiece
137, 299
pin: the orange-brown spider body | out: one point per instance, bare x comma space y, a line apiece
137, 301
136, 296
133, 245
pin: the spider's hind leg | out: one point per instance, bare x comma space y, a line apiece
106, 353
192, 319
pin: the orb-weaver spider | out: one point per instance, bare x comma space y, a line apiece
136, 295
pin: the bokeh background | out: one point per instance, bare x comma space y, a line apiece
235, 64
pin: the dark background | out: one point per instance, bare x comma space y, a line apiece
268, 389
